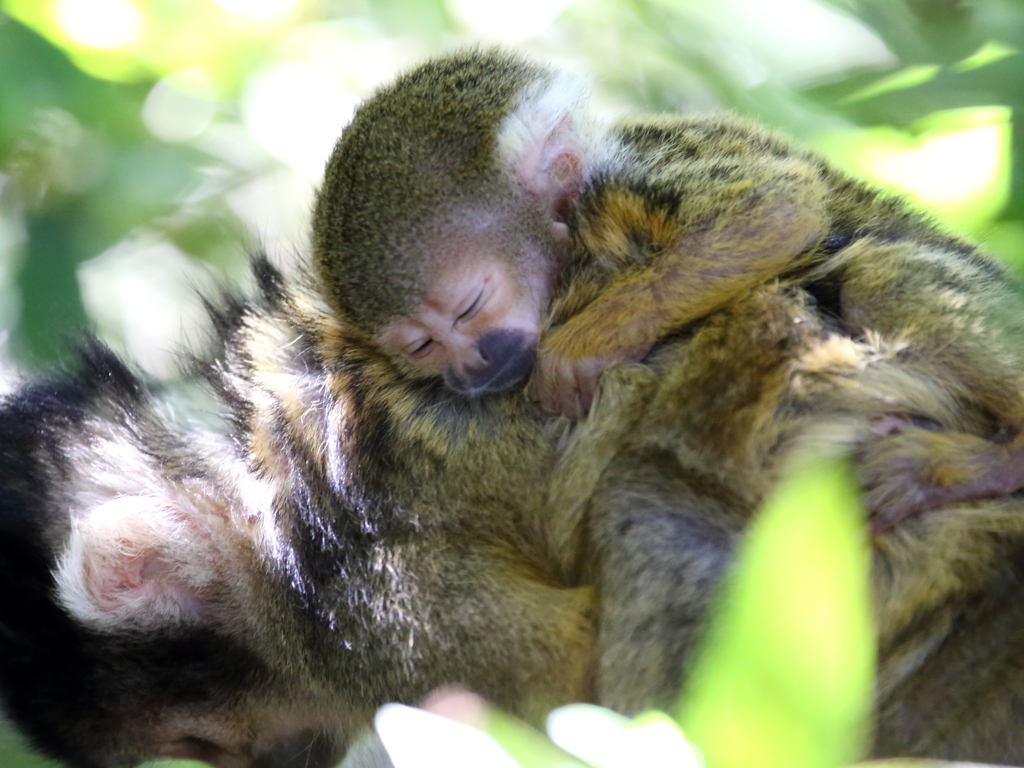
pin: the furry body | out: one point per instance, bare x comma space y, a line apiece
368, 534
336, 584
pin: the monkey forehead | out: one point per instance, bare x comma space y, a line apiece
374, 247
444, 296
434, 127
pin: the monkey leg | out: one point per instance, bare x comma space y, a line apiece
483, 617
663, 542
956, 315
918, 469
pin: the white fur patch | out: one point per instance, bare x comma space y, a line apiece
551, 120
147, 548
8, 378
135, 560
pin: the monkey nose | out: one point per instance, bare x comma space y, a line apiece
506, 358
496, 348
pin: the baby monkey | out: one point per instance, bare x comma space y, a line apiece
466, 196
480, 226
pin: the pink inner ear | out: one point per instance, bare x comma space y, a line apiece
566, 172
134, 582
113, 581
548, 163
140, 562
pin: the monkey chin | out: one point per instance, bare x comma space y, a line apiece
515, 370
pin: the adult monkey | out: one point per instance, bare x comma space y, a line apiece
305, 583
474, 203
517, 209
373, 503
252, 601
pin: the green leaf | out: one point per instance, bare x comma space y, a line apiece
905, 78
527, 746
786, 675
989, 53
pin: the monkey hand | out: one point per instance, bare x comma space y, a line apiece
569, 367
916, 470
570, 359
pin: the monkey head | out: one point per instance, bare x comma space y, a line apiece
140, 614
129, 647
442, 226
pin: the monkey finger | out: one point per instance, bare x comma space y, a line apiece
917, 470
567, 392
552, 385
889, 470
586, 384
542, 387
589, 373
566, 387
578, 403
890, 503
537, 386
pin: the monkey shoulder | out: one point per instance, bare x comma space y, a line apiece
672, 173
321, 405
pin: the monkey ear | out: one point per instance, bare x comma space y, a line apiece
545, 141
138, 562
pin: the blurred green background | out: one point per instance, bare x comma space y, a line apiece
146, 145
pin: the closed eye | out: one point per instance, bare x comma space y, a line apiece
420, 349
473, 308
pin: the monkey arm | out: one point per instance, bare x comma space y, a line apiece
700, 272
918, 470
664, 539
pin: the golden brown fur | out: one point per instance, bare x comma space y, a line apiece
659, 483
705, 206
439, 506
403, 539
406, 537
677, 217
669, 217
644, 502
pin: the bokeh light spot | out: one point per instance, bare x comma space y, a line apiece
297, 111
260, 10
504, 20
180, 107
945, 168
105, 24
956, 162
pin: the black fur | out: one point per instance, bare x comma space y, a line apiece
60, 682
